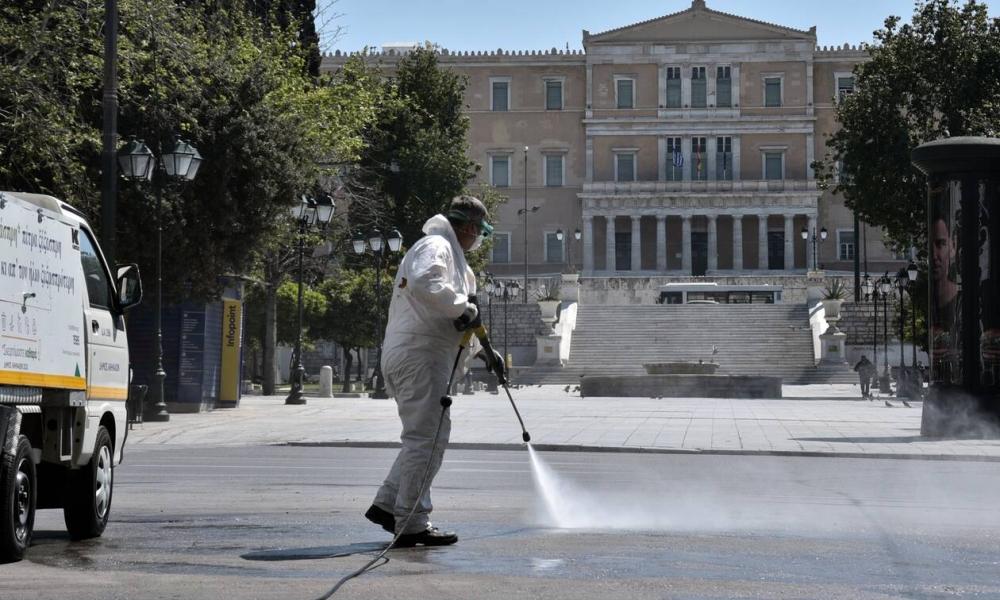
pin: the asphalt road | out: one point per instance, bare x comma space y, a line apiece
286, 522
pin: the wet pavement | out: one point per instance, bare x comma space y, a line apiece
286, 522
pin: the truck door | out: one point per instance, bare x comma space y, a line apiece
107, 350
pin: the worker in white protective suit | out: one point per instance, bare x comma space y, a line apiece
432, 305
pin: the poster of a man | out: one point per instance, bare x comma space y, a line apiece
946, 291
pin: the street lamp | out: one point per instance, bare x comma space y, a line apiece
822, 237
309, 212
911, 273
526, 224
377, 242
138, 163
569, 253
871, 293
902, 280
505, 291
885, 288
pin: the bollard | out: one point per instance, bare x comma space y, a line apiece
326, 382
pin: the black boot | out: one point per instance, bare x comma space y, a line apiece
380, 517
432, 536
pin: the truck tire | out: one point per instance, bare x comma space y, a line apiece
17, 506
89, 491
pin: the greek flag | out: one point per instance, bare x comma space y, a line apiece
678, 158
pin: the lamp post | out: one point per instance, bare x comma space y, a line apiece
911, 274
378, 243
489, 286
902, 280
307, 213
138, 163
505, 291
871, 293
885, 288
569, 253
525, 210
822, 237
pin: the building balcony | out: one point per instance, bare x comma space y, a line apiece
599, 189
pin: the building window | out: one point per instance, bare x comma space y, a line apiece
724, 158
699, 88
554, 170
625, 92
501, 247
553, 248
699, 159
772, 91
673, 87
624, 166
723, 87
553, 94
500, 170
499, 94
774, 167
845, 245
675, 159
845, 86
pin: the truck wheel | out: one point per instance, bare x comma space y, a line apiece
88, 503
17, 506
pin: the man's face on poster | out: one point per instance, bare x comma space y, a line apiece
943, 249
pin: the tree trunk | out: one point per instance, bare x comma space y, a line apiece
270, 339
347, 370
361, 377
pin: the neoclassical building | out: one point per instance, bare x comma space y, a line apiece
679, 146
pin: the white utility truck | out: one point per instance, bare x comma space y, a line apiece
64, 369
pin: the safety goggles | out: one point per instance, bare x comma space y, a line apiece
485, 229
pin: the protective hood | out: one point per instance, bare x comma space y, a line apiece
439, 225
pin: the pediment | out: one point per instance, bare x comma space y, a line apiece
698, 24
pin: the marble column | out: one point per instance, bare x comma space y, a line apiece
713, 244
686, 244
588, 244
636, 243
789, 243
610, 265
661, 243
737, 242
762, 242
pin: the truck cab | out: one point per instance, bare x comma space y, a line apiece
64, 369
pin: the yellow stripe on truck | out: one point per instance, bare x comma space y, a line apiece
67, 382
107, 393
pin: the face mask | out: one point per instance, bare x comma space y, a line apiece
479, 242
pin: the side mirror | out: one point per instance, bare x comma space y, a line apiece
129, 286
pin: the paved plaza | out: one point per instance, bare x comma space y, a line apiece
828, 420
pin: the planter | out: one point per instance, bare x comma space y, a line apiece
832, 308
680, 368
570, 277
549, 308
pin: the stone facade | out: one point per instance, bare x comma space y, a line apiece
858, 322
523, 323
679, 146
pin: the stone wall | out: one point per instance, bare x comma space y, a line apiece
523, 322
858, 322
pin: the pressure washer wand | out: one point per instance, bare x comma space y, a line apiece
501, 372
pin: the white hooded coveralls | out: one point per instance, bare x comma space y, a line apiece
431, 290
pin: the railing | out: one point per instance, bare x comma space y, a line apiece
659, 187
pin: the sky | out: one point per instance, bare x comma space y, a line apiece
544, 24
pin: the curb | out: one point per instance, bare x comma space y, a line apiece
644, 450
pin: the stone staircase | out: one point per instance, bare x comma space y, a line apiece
752, 339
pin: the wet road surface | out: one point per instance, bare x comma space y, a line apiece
286, 522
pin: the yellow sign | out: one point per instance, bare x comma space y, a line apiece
232, 326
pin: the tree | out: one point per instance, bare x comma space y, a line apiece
351, 311
936, 77
415, 160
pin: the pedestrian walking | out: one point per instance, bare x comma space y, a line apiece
866, 372
432, 304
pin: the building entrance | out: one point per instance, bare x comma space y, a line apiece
699, 253
776, 250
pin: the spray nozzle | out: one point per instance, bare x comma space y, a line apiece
525, 437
